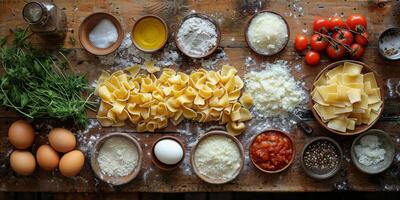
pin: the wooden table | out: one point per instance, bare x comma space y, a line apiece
232, 17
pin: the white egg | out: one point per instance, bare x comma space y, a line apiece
168, 151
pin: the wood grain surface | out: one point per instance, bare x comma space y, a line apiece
232, 17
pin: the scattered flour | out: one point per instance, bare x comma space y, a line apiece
128, 55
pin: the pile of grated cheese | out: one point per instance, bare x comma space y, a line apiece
217, 157
274, 90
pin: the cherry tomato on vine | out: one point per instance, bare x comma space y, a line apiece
362, 38
321, 25
357, 51
300, 43
318, 42
335, 51
343, 37
336, 23
357, 22
313, 58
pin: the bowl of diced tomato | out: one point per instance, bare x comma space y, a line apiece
272, 151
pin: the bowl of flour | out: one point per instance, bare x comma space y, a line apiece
373, 151
197, 36
117, 158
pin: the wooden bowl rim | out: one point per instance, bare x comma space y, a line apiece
204, 16
166, 33
158, 163
279, 170
330, 174
88, 46
247, 28
380, 85
114, 180
373, 131
209, 134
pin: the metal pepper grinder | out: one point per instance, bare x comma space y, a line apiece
46, 20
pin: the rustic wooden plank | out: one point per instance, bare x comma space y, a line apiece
96, 196
196, 196
151, 196
232, 16
183, 179
220, 195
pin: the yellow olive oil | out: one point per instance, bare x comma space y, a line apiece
149, 34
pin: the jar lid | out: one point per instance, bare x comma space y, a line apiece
33, 12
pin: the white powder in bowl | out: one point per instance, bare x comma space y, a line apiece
117, 157
104, 34
197, 36
217, 157
369, 151
267, 33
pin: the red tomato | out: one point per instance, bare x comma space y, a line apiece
300, 43
321, 25
335, 51
336, 23
357, 51
362, 38
343, 37
318, 43
313, 58
357, 22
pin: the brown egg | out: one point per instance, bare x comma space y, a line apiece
21, 134
22, 162
71, 163
62, 140
47, 158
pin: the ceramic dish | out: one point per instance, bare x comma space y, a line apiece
87, 26
143, 18
163, 166
281, 169
317, 174
214, 133
200, 15
247, 29
387, 144
389, 44
110, 179
358, 128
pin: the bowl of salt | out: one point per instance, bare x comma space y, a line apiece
100, 33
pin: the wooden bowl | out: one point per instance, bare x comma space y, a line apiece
110, 179
318, 175
160, 165
279, 170
247, 29
89, 23
204, 16
359, 128
214, 133
166, 33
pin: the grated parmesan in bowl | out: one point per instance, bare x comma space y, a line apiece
267, 33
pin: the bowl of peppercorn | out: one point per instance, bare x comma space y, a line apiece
321, 158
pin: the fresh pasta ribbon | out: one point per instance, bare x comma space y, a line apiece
149, 102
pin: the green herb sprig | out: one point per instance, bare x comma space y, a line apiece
36, 85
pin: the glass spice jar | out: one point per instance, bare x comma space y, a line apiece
46, 20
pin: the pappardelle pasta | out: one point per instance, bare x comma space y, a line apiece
149, 102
